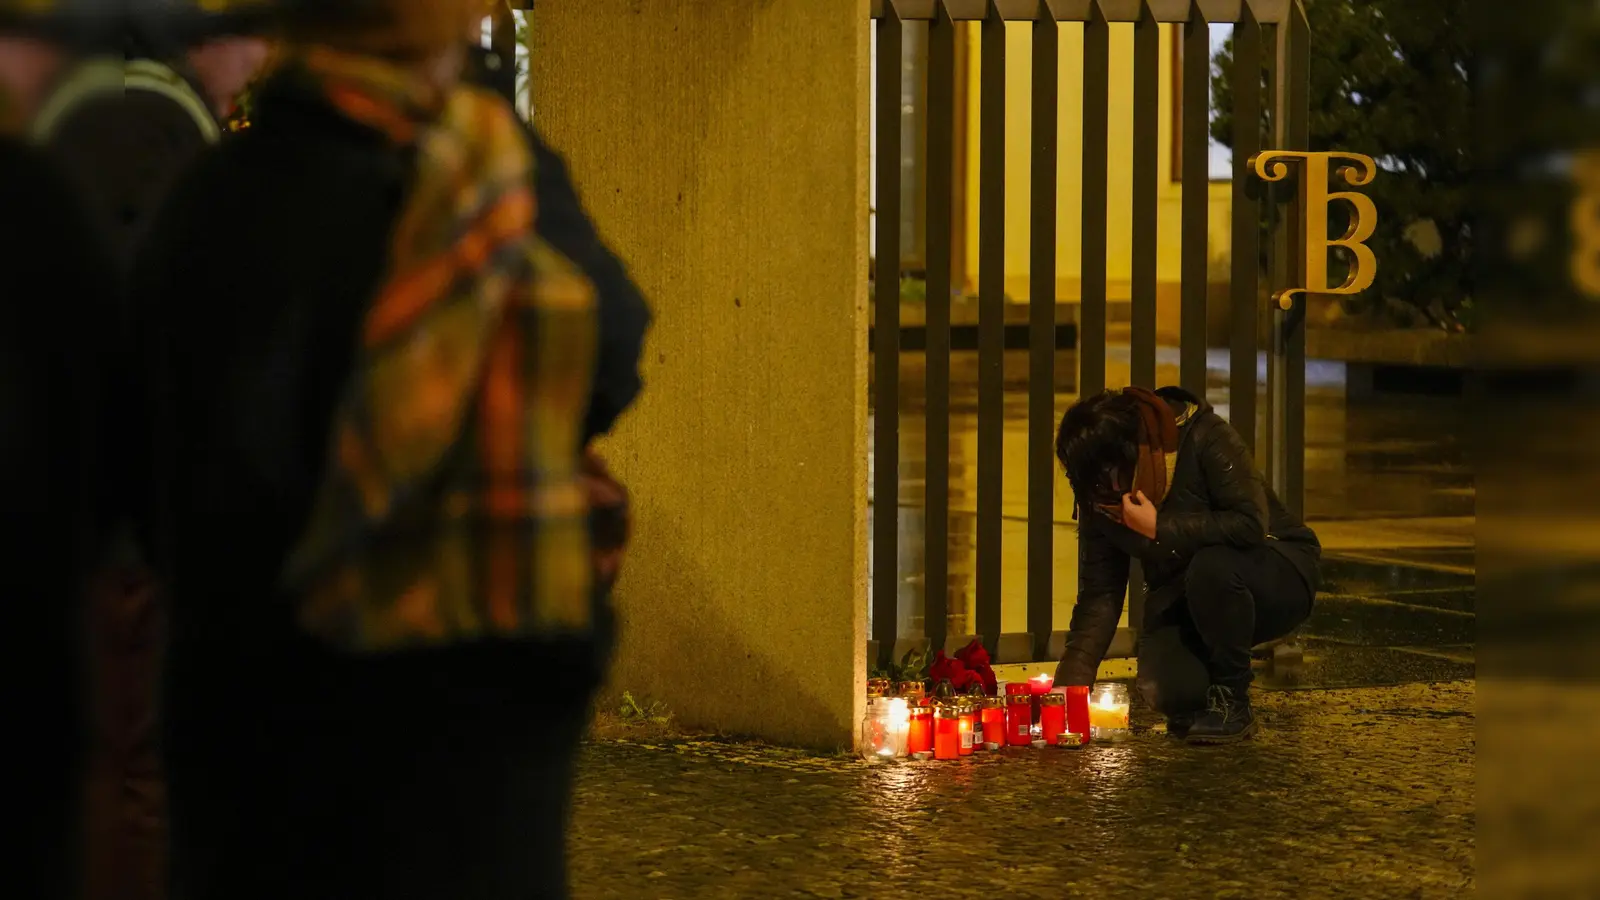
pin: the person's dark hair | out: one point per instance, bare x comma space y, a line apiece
1099, 434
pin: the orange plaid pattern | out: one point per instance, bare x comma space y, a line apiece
453, 506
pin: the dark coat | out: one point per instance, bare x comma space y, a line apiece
250, 292
251, 288
1217, 498
59, 290
125, 150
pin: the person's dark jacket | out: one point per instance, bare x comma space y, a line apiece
251, 290
58, 289
1217, 498
309, 202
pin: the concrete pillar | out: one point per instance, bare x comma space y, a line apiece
722, 148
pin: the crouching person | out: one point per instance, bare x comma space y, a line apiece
1160, 477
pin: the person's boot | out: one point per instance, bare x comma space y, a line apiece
1227, 719
1178, 726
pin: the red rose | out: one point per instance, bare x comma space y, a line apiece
950, 669
973, 655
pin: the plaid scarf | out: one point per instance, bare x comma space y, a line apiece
453, 505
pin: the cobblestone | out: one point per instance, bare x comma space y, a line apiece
1345, 793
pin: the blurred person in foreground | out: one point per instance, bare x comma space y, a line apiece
1160, 477
124, 124
127, 123
57, 287
387, 612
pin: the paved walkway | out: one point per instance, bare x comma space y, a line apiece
1363, 792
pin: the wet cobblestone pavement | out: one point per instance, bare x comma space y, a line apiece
1365, 792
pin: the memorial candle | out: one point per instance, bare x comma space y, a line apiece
1052, 717
1019, 720
1039, 685
1078, 710
919, 732
967, 717
1108, 714
994, 723
946, 732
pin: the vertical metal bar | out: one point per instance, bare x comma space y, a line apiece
1298, 126
1146, 128
1096, 140
1279, 268
886, 344
1146, 162
1245, 278
914, 83
1042, 332
991, 321
940, 190
1196, 188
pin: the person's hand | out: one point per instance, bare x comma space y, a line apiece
1139, 514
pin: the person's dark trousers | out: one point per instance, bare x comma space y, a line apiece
1232, 600
126, 794
431, 774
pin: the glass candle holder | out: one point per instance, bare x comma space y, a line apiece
913, 690
1019, 720
885, 729
1078, 710
919, 731
946, 731
1052, 717
877, 687
993, 717
875, 742
899, 716
1108, 712
967, 710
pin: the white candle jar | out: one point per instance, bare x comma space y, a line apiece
1108, 712
884, 729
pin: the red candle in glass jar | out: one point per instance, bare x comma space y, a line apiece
968, 720
1019, 720
946, 732
919, 733
1052, 717
994, 721
1041, 684
1078, 710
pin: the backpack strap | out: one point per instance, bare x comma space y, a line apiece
113, 75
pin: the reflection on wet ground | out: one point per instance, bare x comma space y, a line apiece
1344, 793
1388, 489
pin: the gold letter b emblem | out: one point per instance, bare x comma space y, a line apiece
1314, 200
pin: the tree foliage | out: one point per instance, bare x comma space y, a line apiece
1392, 79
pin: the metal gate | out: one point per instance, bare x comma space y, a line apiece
1270, 36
